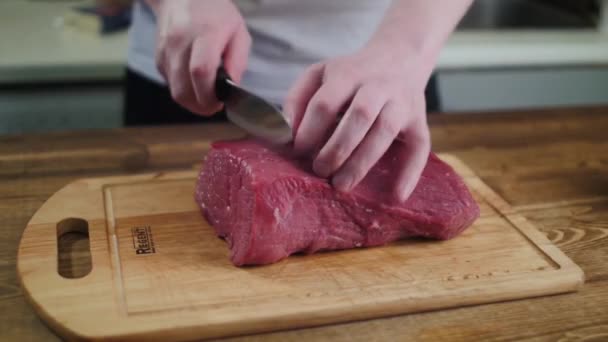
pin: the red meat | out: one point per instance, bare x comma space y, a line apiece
268, 205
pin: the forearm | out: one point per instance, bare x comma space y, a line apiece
418, 28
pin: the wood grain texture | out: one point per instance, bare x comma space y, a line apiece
185, 288
557, 195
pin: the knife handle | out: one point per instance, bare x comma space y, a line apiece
222, 84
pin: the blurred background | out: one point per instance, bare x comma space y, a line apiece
62, 62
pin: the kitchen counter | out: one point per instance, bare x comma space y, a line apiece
38, 47
524, 48
549, 165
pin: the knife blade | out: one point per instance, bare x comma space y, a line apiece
249, 111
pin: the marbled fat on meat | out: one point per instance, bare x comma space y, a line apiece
268, 205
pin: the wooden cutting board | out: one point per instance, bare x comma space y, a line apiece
159, 272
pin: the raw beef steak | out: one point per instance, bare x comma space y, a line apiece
267, 205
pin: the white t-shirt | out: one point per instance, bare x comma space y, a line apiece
288, 36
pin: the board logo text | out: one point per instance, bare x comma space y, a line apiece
143, 243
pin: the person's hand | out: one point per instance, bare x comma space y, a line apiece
194, 37
381, 98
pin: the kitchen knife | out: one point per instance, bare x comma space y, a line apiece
251, 112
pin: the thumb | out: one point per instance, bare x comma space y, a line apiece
300, 95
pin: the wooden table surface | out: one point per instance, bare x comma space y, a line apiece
551, 165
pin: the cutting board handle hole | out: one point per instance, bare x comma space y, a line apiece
73, 248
